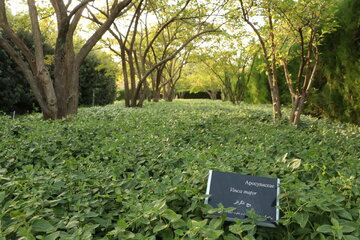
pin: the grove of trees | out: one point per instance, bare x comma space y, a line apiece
302, 54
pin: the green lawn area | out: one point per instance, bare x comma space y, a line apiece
121, 173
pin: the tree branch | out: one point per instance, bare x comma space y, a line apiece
163, 27
90, 43
142, 80
79, 7
4, 24
39, 52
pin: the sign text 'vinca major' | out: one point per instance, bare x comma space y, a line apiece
244, 192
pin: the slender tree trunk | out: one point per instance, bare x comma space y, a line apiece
299, 109
275, 93
125, 74
275, 96
133, 98
270, 60
212, 95
156, 95
305, 78
169, 93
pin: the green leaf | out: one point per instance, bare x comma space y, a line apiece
335, 222
171, 215
345, 214
324, 228
349, 237
41, 225
215, 223
213, 234
52, 236
72, 224
179, 232
249, 237
230, 236
26, 233
302, 218
178, 224
199, 224
159, 227
348, 229
2, 196
295, 163
122, 224
236, 228
248, 227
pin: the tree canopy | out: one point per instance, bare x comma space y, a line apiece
165, 47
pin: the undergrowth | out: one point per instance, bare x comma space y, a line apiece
120, 173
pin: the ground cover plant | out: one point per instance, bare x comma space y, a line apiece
119, 173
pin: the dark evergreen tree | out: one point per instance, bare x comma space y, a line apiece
16, 95
339, 86
97, 85
14, 90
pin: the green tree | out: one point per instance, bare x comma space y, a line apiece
251, 12
60, 97
198, 78
15, 92
145, 49
302, 30
338, 91
97, 83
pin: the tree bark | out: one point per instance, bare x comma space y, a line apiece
305, 78
270, 61
61, 98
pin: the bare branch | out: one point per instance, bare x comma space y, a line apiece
163, 27
116, 10
79, 7
173, 55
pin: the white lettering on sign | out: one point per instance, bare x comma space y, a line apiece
241, 202
247, 192
257, 184
236, 190
250, 193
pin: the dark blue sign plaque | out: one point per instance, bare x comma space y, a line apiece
244, 192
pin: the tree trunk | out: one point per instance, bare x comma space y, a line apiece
169, 94
297, 109
212, 95
156, 95
125, 73
270, 60
275, 93
275, 96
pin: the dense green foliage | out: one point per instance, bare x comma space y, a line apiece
338, 95
97, 84
14, 91
119, 173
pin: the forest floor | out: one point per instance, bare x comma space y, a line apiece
121, 173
